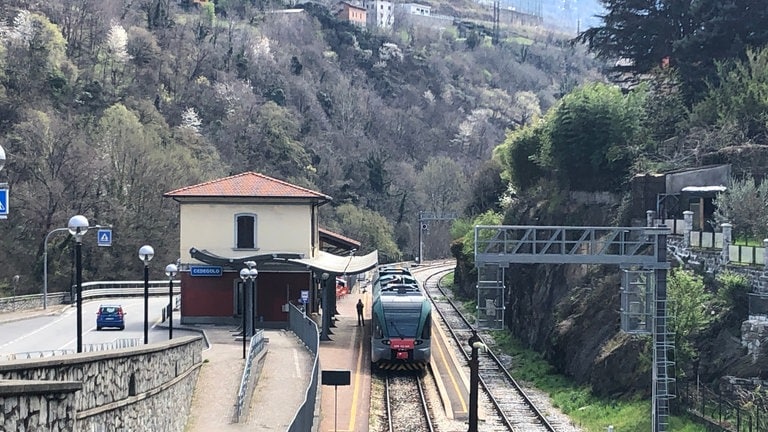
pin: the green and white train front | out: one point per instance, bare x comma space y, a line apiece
401, 331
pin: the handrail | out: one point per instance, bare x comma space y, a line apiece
104, 346
256, 346
90, 290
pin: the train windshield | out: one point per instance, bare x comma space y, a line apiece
402, 323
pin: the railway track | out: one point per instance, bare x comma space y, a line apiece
511, 407
406, 404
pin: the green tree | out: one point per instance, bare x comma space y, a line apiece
372, 230
689, 306
593, 136
487, 186
745, 205
741, 98
693, 35
36, 53
733, 291
522, 148
627, 26
720, 30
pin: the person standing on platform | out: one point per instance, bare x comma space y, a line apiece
360, 307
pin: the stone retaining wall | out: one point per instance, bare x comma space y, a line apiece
29, 302
146, 388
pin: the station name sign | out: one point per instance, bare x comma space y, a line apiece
214, 271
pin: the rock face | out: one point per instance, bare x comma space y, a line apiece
749, 160
571, 315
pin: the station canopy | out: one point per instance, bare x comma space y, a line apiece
322, 262
336, 264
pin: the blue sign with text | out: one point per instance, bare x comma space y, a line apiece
205, 271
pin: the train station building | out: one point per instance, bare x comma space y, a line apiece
250, 220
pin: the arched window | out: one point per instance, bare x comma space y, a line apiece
245, 231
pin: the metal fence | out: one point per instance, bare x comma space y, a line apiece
91, 290
255, 348
104, 346
718, 412
306, 329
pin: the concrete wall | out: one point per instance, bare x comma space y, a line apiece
431, 21
704, 176
136, 389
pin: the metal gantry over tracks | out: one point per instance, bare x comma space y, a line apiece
641, 253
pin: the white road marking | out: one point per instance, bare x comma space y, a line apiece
63, 316
297, 363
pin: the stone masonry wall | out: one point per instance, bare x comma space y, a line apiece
37, 406
135, 389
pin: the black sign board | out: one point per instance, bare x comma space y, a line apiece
335, 377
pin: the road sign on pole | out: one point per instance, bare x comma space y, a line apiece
104, 237
3, 200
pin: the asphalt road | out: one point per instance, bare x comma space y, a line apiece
46, 333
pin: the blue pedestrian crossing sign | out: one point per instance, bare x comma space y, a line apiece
3, 201
104, 237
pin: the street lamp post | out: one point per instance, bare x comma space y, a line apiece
474, 379
146, 253
327, 308
78, 226
170, 271
245, 276
3, 189
45, 261
253, 274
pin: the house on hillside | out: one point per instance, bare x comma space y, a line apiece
253, 221
670, 194
379, 13
354, 13
414, 9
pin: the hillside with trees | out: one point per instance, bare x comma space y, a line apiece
106, 105
694, 94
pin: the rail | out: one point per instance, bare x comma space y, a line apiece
256, 347
91, 290
104, 346
124, 289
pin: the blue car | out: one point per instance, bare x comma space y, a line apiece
110, 316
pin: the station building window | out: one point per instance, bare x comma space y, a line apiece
245, 231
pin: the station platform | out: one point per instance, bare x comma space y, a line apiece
346, 408
282, 378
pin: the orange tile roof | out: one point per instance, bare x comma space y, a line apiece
248, 184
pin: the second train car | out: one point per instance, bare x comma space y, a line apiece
401, 320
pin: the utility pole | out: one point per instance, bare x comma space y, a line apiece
424, 218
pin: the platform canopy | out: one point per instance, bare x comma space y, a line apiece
327, 262
323, 262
